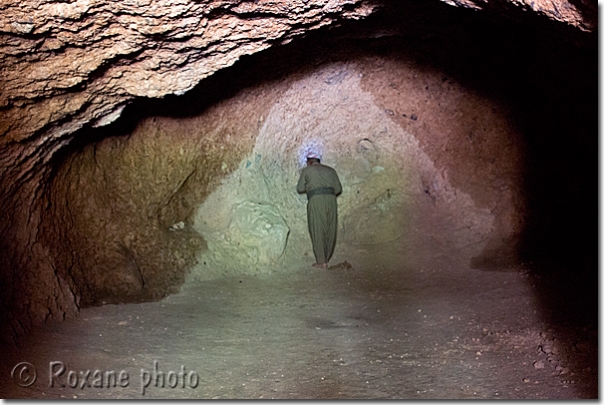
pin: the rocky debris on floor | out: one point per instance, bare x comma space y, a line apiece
341, 266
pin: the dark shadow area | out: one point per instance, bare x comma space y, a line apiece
548, 74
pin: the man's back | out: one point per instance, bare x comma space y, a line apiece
318, 175
321, 185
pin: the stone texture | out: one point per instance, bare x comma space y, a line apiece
392, 189
581, 14
70, 64
252, 241
73, 66
81, 61
123, 204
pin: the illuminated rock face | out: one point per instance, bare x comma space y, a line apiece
352, 113
104, 201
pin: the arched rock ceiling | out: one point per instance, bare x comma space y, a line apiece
66, 64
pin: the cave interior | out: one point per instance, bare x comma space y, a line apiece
457, 133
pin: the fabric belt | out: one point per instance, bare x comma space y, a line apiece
320, 190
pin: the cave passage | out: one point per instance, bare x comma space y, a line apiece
466, 262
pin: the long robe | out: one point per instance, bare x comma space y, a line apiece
321, 209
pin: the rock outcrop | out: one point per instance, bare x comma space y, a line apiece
71, 63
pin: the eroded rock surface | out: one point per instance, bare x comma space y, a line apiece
74, 63
87, 221
392, 188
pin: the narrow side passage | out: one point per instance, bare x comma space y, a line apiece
387, 330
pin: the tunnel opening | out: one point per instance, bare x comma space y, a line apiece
134, 201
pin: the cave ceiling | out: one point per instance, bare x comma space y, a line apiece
75, 63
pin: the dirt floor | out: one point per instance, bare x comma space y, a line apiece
424, 330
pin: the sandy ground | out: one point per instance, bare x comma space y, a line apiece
431, 330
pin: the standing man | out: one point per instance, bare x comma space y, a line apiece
322, 185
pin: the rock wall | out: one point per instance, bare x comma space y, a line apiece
79, 63
123, 204
130, 214
80, 226
356, 114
